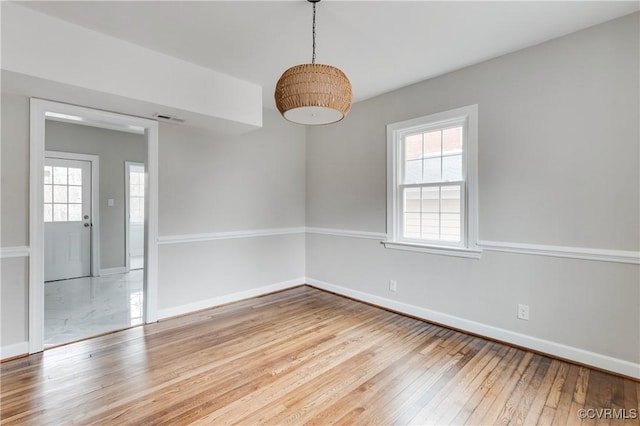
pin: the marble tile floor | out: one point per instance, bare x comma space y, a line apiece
79, 308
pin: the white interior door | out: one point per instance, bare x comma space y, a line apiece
67, 217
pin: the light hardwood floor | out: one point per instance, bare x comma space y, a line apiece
304, 356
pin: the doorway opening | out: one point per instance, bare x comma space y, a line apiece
67, 214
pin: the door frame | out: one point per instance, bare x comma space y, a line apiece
127, 213
95, 196
40, 111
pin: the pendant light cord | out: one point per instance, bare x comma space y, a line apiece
313, 58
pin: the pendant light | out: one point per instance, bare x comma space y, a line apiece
313, 93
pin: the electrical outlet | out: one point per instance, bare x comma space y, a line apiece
393, 285
523, 312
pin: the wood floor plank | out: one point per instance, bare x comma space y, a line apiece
531, 392
494, 384
302, 356
456, 391
565, 398
377, 389
461, 408
538, 403
507, 389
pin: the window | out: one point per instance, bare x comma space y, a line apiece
432, 181
62, 194
136, 194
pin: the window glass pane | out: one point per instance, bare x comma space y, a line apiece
135, 178
48, 212
432, 143
412, 200
450, 202
413, 171
430, 226
411, 225
48, 194
432, 169
450, 227
431, 200
413, 147
75, 212
75, 176
59, 193
48, 174
452, 139
138, 217
452, 168
75, 194
59, 212
60, 175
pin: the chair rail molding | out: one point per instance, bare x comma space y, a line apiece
228, 235
18, 251
582, 253
347, 233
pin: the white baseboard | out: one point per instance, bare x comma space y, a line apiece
228, 298
16, 349
578, 355
112, 271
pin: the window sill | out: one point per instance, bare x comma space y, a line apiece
441, 250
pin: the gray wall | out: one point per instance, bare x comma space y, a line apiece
558, 166
254, 181
113, 148
212, 184
14, 217
14, 159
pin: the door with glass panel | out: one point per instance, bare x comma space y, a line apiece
67, 217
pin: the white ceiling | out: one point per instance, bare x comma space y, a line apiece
380, 45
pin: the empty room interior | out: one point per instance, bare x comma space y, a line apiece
320, 212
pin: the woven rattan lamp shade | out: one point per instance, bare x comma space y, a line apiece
313, 94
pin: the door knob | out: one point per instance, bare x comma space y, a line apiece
86, 225
86, 216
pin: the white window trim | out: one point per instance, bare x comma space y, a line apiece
469, 246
